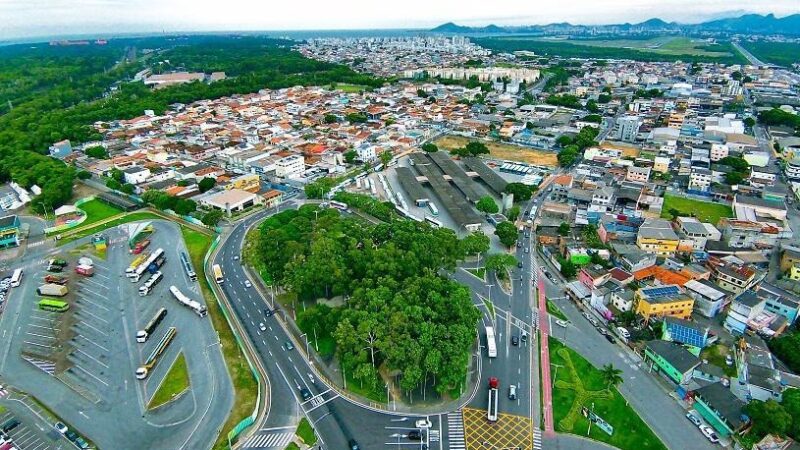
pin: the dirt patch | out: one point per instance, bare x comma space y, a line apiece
501, 150
627, 150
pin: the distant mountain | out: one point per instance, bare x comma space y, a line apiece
744, 24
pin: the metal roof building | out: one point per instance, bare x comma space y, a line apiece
489, 176
452, 200
469, 188
408, 180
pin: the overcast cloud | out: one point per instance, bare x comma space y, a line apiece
24, 18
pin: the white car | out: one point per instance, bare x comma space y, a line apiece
423, 423
262, 327
61, 428
562, 323
247, 283
708, 432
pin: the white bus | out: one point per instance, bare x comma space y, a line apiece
491, 346
16, 278
218, 274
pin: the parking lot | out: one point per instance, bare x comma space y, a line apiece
25, 431
82, 361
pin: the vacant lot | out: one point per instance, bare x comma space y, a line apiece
703, 211
97, 210
502, 150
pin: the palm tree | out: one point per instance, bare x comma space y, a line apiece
611, 375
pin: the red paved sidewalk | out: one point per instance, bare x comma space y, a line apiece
544, 360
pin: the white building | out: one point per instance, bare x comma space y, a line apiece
136, 175
232, 200
700, 179
698, 232
628, 128
290, 166
718, 151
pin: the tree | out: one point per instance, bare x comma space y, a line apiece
594, 118
350, 156
513, 213
84, 175
507, 233
568, 156
733, 178
356, 117
592, 107
206, 184
521, 192
791, 403
212, 217
128, 188
568, 269
476, 148
319, 188
116, 174
611, 375
330, 118
564, 140
736, 75
768, 417
674, 213
185, 206
113, 184
604, 98
749, 122
475, 243
564, 229
736, 163
499, 262
97, 151
487, 205
385, 157
430, 147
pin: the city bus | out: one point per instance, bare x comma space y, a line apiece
491, 346
50, 304
16, 278
339, 205
218, 274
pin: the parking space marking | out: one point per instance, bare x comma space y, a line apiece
90, 300
91, 357
86, 311
90, 374
93, 342
87, 324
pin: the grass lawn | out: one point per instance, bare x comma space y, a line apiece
132, 217
352, 88
176, 381
703, 211
479, 272
553, 310
376, 394
502, 150
292, 446
244, 384
716, 356
306, 432
577, 384
97, 210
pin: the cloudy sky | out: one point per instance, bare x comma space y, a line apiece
25, 18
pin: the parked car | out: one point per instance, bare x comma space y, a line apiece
562, 323
353, 445
728, 360
415, 435
609, 338
60, 427
423, 423
709, 433
694, 419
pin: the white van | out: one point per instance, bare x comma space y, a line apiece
622, 332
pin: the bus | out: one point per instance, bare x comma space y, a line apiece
435, 222
51, 304
433, 208
187, 267
491, 346
218, 274
339, 205
16, 278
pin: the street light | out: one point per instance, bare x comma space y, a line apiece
304, 335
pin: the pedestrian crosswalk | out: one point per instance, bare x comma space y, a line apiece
270, 440
455, 431
433, 436
537, 439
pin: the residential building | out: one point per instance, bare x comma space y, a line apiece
720, 408
758, 378
661, 164
709, 299
232, 200
758, 207
718, 151
685, 332
638, 174
781, 301
136, 174
671, 360
272, 198
290, 166
249, 182
700, 179
622, 299
743, 310
748, 233
657, 236
628, 128
631, 257
662, 301
61, 149
734, 277
792, 169
763, 176
9, 231
698, 232
790, 257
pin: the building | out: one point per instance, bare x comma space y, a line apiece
718, 151
622, 299
698, 232
232, 200
168, 79
735, 278
656, 236
61, 149
136, 174
720, 408
709, 299
9, 231
790, 257
685, 332
700, 179
272, 198
744, 309
763, 176
628, 128
748, 233
638, 174
792, 169
248, 182
290, 166
671, 360
745, 205
662, 301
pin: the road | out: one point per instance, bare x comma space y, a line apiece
753, 60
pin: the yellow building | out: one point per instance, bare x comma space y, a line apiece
794, 272
661, 301
250, 183
656, 236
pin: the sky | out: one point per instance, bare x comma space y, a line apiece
28, 18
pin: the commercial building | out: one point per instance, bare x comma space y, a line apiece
232, 200
290, 166
628, 128
136, 174
9, 231
709, 299
61, 149
657, 236
662, 301
249, 182
671, 360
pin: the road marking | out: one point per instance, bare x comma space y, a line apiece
270, 440
455, 431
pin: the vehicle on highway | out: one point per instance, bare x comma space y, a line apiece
423, 423
262, 327
514, 340
562, 323
415, 435
524, 336
305, 394
609, 338
60, 427
491, 411
694, 419
519, 264
709, 433
512, 392
527, 250
247, 284
728, 360
353, 445
268, 312
491, 345
218, 277
288, 345
236, 258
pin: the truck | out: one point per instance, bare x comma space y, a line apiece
52, 290
150, 283
494, 389
135, 263
140, 246
187, 267
53, 279
155, 265
145, 265
194, 305
85, 261
86, 271
147, 331
152, 360
57, 262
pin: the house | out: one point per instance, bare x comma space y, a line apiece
9, 231
248, 182
763, 176
290, 166
709, 299
748, 233
790, 257
685, 332
773, 442
780, 301
656, 236
631, 257
548, 235
758, 378
594, 276
700, 179
232, 200
637, 174
734, 277
661, 301
698, 232
61, 149
720, 408
748, 204
744, 309
272, 198
671, 360
136, 174
622, 299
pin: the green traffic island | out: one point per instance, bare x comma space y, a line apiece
479, 273
582, 392
173, 386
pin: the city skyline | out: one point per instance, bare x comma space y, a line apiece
114, 17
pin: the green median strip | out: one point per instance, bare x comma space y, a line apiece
306, 432
175, 382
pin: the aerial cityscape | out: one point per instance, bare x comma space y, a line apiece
426, 226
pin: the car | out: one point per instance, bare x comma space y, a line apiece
305, 394
527, 250
414, 435
512, 391
82, 444
593, 322
586, 315
519, 244
728, 360
236, 258
288, 345
514, 340
610, 338
519, 264
524, 336
602, 331
423, 423
262, 327
10, 425
694, 419
61, 428
268, 312
708, 432
71, 435
353, 445
248, 284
